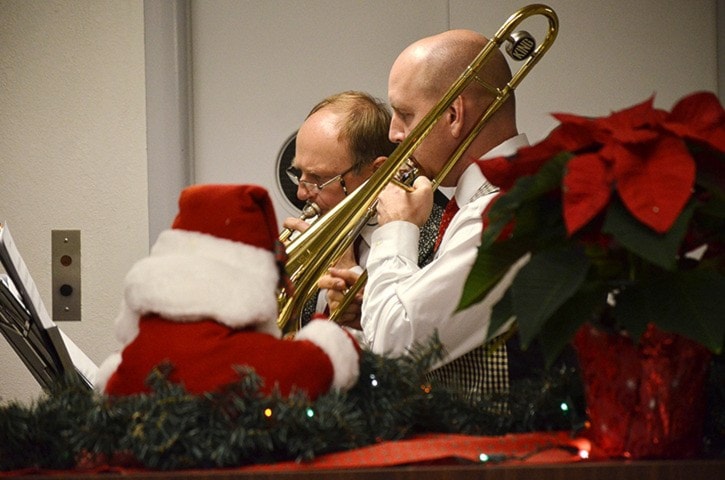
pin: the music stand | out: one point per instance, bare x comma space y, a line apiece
45, 350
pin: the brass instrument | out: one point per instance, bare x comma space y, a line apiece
309, 210
313, 252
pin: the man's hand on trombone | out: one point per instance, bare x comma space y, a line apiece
295, 224
337, 282
395, 203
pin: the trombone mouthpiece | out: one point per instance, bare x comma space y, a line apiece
309, 210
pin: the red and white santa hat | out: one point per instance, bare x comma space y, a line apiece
217, 261
220, 261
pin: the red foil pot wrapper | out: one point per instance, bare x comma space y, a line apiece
646, 399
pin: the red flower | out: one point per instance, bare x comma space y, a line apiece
655, 181
639, 152
586, 190
699, 117
652, 171
627, 207
504, 171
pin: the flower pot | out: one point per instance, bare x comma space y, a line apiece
644, 400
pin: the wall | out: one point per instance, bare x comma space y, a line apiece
254, 85
74, 113
73, 154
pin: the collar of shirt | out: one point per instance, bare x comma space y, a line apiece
472, 178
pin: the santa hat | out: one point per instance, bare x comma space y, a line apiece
218, 261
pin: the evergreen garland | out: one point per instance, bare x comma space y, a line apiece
171, 429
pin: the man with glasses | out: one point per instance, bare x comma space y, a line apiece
343, 140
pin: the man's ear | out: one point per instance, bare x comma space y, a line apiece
377, 162
455, 115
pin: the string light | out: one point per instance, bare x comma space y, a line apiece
584, 446
268, 412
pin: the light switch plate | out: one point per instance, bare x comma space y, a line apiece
66, 274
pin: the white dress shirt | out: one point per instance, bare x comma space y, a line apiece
405, 304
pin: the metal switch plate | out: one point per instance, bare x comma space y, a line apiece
66, 274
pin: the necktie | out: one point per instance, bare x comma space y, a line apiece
448, 214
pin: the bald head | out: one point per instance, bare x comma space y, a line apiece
440, 59
425, 71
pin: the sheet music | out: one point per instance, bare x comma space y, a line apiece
18, 272
27, 326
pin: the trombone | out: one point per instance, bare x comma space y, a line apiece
311, 254
309, 210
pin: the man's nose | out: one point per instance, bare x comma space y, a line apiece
396, 134
303, 193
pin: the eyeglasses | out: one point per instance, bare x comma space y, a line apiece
294, 175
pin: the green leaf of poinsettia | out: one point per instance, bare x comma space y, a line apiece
688, 303
491, 265
528, 189
501, 312
525, 201
548, 280
587, 305
659, 249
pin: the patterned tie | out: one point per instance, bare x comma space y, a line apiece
448, 213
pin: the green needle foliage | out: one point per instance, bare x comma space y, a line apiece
171, 429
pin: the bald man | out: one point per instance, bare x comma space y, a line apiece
405, 304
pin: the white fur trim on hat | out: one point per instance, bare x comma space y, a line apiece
191, 275
338, 346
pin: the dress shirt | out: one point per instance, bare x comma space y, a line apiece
405, 304
427, 237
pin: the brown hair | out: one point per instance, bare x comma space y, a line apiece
365, 125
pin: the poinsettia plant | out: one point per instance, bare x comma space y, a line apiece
621, 220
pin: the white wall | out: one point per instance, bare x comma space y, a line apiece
610, 54
73, 154
73, 111
260, 66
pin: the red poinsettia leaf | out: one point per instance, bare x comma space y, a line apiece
586, 190
504, 171
573, 137
655, 182
635, 116
716, 138
701, 110
701, 117
635, 135
573, 119
633, 124
499, 171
